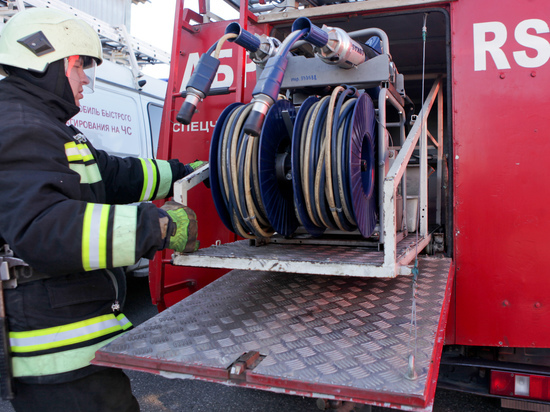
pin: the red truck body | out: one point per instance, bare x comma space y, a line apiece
500, 129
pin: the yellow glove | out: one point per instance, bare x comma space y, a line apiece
182, 229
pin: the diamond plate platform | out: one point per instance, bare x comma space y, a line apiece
307, 259
344, 338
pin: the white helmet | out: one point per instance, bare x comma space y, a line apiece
34, 38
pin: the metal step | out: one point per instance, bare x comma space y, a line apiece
343, 338
337, 260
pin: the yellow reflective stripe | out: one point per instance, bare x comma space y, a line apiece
102, 236
124, 321
54, 363
71, 151
124, 235
149, 179
145, 178
78, 152
86, 223
85, 152
94, 236
165, 183
55, 337
88, 173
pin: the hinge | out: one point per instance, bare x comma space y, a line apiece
247, 361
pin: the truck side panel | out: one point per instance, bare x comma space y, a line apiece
191, 142
111, 117
501, 74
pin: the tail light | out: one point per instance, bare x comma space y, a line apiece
536, 387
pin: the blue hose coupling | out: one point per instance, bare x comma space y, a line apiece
244, 38
315, 35
373, 47
198, 87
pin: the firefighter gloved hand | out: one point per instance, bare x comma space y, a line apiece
182, 228
180, 170
195, 165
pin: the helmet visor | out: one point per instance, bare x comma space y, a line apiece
89, 69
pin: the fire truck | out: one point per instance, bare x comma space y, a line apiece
376, 222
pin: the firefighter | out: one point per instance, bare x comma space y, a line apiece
64, 211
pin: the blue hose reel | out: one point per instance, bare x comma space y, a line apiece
311, 166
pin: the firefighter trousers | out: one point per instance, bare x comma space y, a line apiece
107, 391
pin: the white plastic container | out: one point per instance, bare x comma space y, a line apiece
412, 211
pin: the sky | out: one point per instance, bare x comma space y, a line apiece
153, 22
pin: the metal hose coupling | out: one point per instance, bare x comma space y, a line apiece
332, 44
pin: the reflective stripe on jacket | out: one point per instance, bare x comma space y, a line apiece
28, 348
157, 174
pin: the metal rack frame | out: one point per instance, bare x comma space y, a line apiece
399, 249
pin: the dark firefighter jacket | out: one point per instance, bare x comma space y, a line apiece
63, 210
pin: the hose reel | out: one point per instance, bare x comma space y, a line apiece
311, 167
275, 166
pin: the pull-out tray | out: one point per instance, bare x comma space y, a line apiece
344, 338
338, 259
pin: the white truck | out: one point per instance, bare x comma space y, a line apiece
117, 117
